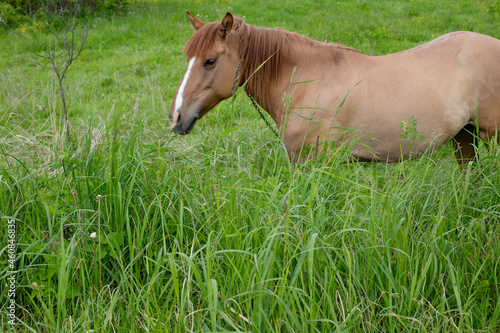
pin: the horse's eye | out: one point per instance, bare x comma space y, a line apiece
210, 62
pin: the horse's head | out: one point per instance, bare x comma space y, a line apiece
212, 54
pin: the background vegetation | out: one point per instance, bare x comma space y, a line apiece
14, 12
217, 231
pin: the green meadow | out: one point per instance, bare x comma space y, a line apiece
132, 228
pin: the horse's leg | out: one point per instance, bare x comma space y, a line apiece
465, 144
491, 138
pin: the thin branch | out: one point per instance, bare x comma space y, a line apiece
59, 54
40, 64
29, 46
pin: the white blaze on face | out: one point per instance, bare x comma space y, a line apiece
180, 93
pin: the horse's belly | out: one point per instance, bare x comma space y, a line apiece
392, 153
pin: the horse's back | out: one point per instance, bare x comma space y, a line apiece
465, 67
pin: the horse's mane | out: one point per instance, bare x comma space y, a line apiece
257, 46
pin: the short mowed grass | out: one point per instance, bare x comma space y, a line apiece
218, 231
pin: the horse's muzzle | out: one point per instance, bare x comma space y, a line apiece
183, 127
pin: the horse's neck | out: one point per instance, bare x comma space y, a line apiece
269, 72
301, 55
272, 91
273, 99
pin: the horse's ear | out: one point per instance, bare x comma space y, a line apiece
226, 25
195, 22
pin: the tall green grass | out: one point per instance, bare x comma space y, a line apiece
219, 231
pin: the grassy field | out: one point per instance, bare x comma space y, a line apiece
217, 231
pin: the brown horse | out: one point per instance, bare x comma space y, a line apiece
388, 108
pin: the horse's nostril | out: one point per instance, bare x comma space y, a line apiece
176, 118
